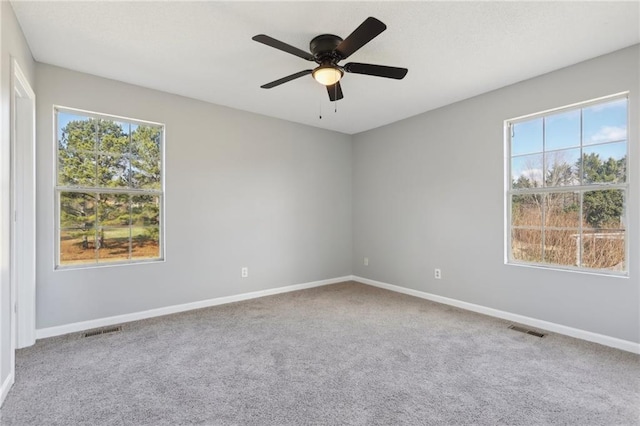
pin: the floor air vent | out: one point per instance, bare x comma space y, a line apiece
101, 331
526, 331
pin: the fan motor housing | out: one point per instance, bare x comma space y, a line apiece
323, 47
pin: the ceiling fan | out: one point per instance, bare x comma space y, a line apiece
327, 50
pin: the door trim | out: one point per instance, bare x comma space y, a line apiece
23, 202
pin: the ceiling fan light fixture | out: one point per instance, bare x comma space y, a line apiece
327, 75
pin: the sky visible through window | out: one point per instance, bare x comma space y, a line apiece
559, 138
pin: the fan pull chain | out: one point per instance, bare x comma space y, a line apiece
335, 98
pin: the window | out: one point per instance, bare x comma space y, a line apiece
109, 189
567, 187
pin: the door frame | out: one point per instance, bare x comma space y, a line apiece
23, 212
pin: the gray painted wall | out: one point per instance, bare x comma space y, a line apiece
241, 190
13, 46
429, 193
297, 204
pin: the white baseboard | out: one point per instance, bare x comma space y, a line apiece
613, 342
6, 385
135, 316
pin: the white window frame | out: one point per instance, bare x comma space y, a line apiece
509, 191
58, 189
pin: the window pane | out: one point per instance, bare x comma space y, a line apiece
113, 171
145, 210
526, 244
603, 209
76, 168
526, 171
605, 122
113, 210
603, 249
562, 130
146, 242
527, 137
562, 247
77, 247
605, 163
562, 210
76, 132
77, 210
604, 229
145, 157
526, 210
113, 136
113, 244
562, 167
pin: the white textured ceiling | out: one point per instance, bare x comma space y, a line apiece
203, 50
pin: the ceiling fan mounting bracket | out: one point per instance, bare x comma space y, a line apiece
323, 48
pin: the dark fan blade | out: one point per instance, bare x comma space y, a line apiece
285, 79
270, 41
377, 70
335, 92
362, 35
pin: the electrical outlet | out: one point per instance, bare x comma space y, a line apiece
437, 273
366, 261
245, 272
